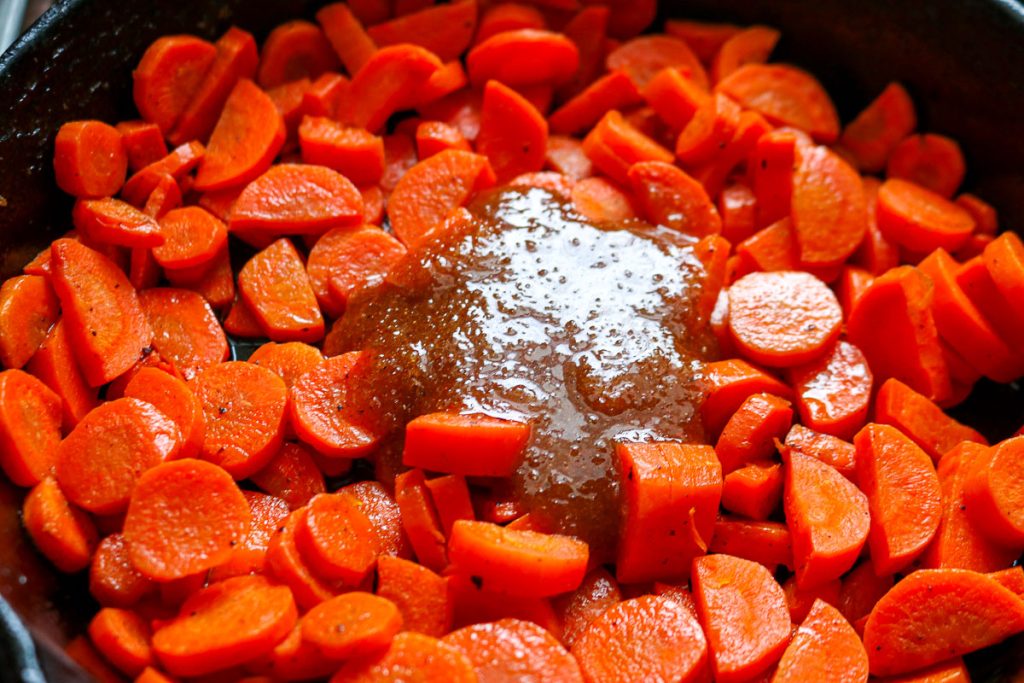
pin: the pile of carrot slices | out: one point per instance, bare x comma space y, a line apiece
837, 523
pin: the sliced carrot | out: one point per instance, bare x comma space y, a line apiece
772, 163
352, 623
177, 164
420, 595
386, 83
244, 407
557, 184
919, 219
986, 220
931, 161
337, 539
1004, 259
629, 18
276, 288
89, 159
675, 98
523, 57
767, 543
426, 194
249, 556
411, 655
801, 600
879, 128
30, 420
344, 29
949, 671
899, 302
704, 38
725, 586
613, 91
292, 659
247, 137
353, 152
113, 579
324, 94
829, 449
614, 145
645, 638
992, 493
935, 614
111, 221
143, 143
730, 382
61, 532
513, 134
752, 45
668, 196
165, 197
449, 80
834, 392
55, 364
587, 29
861, 589
80, 651
671, 493
446, 30
420, 520
853, 281
175, 399
754, 490
290, 360
600, 200
877, 253
737, 206
225, 624
827, 516
498, 651
824, 648
292, 475
450, 442
285, 563
903, 494
523, 563
288, 99
186, 330
508, 17
921, 420
828, 208
708, 131
645, 56
460, 109
293, 50
122, 636
770, 249
169, 75
345, 260
384, 514
241, 321
193, 238
578, 609
751, 431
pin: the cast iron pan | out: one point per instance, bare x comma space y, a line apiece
963, 61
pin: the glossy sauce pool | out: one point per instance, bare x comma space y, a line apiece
530, 312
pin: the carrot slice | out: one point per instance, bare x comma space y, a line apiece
186, 330
276, 288
919, 219
671, 493
935, 614
499, 650
30, 419
751, 431
420, 595
828, 519
508, 17
169, 75
828, 208
143, 143
192, 238
704, 38
903, 494
61, 532
725, 586
344, 30
513, 134
450, 442
600, 199
355, 153
771, 163
614, 145
708, 131
921, 420
753, 491
111, 221
337, 539
244, 407
225, 624
290, 360
122, 637
57, 367
386, 83
445, 30
113, 579
324, 94
346, 260
861, 589
411, 656
824, 648
767, 543
522, 58
420, 520
285, 563
175, 399
853, 282
993, 491
786, 96
247, 137
675, 98
578, 609
737, 206
28, 310
986, 220
642, 58
752, 45
177, 164
931, 161
293, 50
833, 393
668, 196
434, 136
292, 659
384, 514
899, 302
89, 159
877, 131
352, 623
291, 475
730, 382
523, 563
426, 194
801, 600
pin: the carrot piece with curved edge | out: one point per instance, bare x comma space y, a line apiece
247, 137
336, 539
471, 444
61, 532
100, 461
1012, 579
352, 623
737, 206
853, 281
276, 288
824, 648
801, 600
111, 221
920, 220
752, 429
920, 419
671, 493
411, 655
715, 173
345, 32
725, 586
420, 521
292, 659
508, 17
769, 249
177, 164
384, 514
765, 542
614, 145
168, 77
30, 424
879, 128
903, 495
225, 624
668, 196
993, 490
643, 57
935, 614
429, 190
771, 164
113, 579
285, 563
963, 326
754, 490
831, 450
931, 161
557, 184
860, 590
346, 260
451, 78
674, 97
986, 220
293, 50
522, 58
752, 45
1004, 259
460, 109
949, 671
175, 399
241, 322
513, 134
829, 213
708, 131
629, 18
244, 407
354, 152
186, 330
421, 596
578, 609
827, 516
143, 143
730, 382
288, 99
291, 475
89, 159
28, 310
833, 393
55, 364
783, 318
236, 58
165, 197
445, 30
105, 323
704, 38
324, 94
877, 253
599, 199
386, 83
80, 651
497, 652
193, 238
899, 302
122, 636
289, 360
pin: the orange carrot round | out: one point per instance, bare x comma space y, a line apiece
346, 260
513, 134
668, 196
993, 490
934, 162
112, 221
30, 418
275, 286
337, 539
645, 56
168, 75
122, 636
411, 656
824, 648
62, 532
833, 393
193, 237
186, 331
89, 159
113, 579
293, 50
879, 128
497, 652
352, 623
828, 208
175, 399
523, 57
919, 219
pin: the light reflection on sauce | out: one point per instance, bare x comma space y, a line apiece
532, 312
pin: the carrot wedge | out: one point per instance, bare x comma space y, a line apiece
828, 208
28, 310
523, 57
344, 30
168, 76
824, 648
513, 134
276, 288
871, 137
920, 419
386, 83
668, 196
446, 30
470, 445
919, 219
992, 491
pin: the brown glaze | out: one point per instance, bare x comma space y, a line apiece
528, 311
